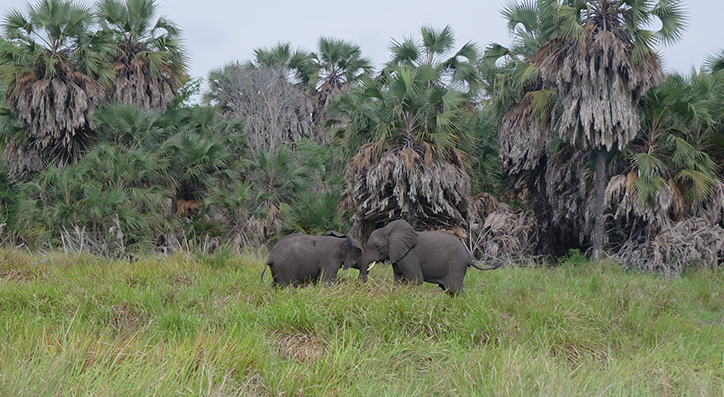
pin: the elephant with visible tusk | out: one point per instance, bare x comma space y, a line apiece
299, 258
436, 257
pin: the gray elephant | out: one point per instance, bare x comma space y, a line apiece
299, 258
436, 257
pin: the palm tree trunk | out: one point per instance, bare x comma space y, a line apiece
599, 203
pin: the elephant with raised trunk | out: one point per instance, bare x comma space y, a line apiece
436, 257
299, 258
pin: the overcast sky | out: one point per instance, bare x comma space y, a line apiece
220, 31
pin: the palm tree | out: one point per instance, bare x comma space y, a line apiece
184, 156
200, 148
539, 169
677, 120
667, 195
298, 62
191, 150
321, 75
714, 64
311, 213
671, 171
404, 128
434, 50
149, 61
340, 64
601, 64
518, 97
54, 80
104, 202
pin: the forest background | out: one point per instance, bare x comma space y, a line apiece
104, 152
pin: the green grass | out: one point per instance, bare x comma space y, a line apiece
76, 325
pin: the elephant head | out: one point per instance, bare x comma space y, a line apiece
353, 254
390, 242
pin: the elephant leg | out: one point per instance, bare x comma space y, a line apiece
329, 275
453, 290
453, 283
284, 275
411, 272
309, 276
276, 280
398, 274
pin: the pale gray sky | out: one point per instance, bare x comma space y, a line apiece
220, 31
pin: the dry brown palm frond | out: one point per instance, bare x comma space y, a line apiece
621, 198
598, 87
485, 204
429, 150
497, 232
618, 186
545, 50
399, 184
367, 155
188, 208
324, 95
455, 156
134, 85
346, 202
676, 203
409, 157
522, 139
713, 207
570, 195
265, 226
56, 113
675, 247
668, 235
22, 160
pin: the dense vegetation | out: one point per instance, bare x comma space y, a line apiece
569, 138
76, 324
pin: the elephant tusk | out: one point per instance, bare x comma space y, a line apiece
372, 265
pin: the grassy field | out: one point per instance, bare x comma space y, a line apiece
77, 325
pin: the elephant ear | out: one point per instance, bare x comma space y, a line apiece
402, 238
355, 243
334, 233
354, 252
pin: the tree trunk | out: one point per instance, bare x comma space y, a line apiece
599, 203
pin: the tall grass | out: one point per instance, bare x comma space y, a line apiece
77, 325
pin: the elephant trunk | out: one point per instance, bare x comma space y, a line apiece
363, 272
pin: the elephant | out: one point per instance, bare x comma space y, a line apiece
299, 258
436, 257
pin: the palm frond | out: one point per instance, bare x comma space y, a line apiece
674, 19
676, 248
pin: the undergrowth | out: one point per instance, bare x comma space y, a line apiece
79, 325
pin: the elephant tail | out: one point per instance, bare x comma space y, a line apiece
266, 264
495, 264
